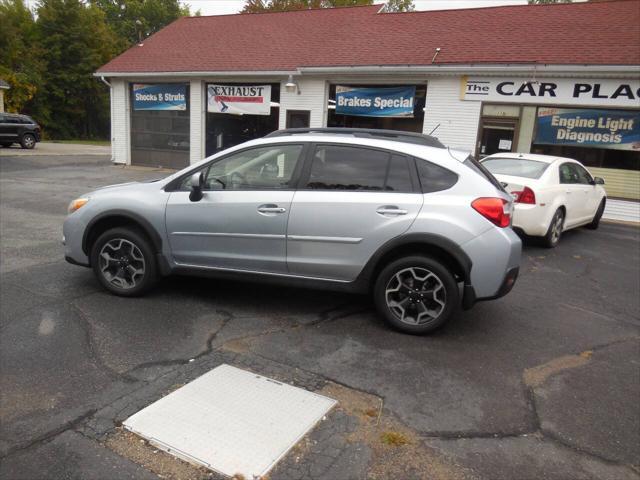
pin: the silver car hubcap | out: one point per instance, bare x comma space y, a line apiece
415, 296
556, 229
121, 263
28, 141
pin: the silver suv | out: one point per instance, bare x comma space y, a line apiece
423, 228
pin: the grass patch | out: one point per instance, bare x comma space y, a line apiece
103, 143
395, 439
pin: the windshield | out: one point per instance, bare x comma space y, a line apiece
517, 167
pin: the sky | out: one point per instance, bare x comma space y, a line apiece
225, 7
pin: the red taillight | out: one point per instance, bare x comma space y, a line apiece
525, 196
496, 210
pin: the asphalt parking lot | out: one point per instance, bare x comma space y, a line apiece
544, 383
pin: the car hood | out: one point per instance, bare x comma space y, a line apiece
110, 189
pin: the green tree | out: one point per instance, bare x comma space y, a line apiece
76, 41
257, 6
133, 20
20, 64
399, 6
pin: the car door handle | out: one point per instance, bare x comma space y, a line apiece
270, 208
391, 210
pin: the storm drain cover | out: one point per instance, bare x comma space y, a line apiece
231, 421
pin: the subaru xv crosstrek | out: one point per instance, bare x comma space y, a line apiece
423, 228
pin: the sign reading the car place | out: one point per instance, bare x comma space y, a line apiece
159, 96
375, 102
239, 99
555, 91
611, 129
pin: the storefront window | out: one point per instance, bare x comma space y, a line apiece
160, 125
378, 118
228, 125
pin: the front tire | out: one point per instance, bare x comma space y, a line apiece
416, 294
28, 141
552, 237
595, 223
123, 262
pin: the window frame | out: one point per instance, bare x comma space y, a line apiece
174, 185
306, 173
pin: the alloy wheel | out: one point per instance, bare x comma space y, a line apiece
29, 141
415, 296
121, 263
556, 228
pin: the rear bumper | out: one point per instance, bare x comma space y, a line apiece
469, 294
533, 220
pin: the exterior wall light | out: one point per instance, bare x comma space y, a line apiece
291, 86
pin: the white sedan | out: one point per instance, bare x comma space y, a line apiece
552, 194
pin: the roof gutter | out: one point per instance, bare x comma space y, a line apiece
442, 69
270, 73
587, 70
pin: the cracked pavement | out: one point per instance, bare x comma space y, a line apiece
543, 383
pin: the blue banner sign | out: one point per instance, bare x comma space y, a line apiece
611, 129
376, 102
159, 96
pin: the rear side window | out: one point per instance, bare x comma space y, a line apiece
434, 178
337, 167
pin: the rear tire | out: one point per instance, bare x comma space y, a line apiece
28, 141
416, 294
552, 237
595, 223
123, 261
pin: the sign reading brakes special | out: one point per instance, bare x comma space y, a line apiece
612, 129
605, 92
239, 99
159, 96
375, 102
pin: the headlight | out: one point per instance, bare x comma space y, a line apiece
77, 203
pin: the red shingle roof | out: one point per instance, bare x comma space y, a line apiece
605, 33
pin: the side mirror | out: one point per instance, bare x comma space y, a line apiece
598, 180
197, 182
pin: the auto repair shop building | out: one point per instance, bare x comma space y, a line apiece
555, 79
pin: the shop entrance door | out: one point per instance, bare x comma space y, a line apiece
497, 136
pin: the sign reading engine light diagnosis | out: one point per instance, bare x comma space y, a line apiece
612, 129
239, 99
159, 96
375, 102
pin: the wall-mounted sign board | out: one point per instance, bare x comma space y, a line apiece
611, 129
553, 91
376, 102
159, 96
239, 99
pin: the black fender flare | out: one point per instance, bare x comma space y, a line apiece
423, 240
147, 228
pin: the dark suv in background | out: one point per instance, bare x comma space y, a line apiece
20, 129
